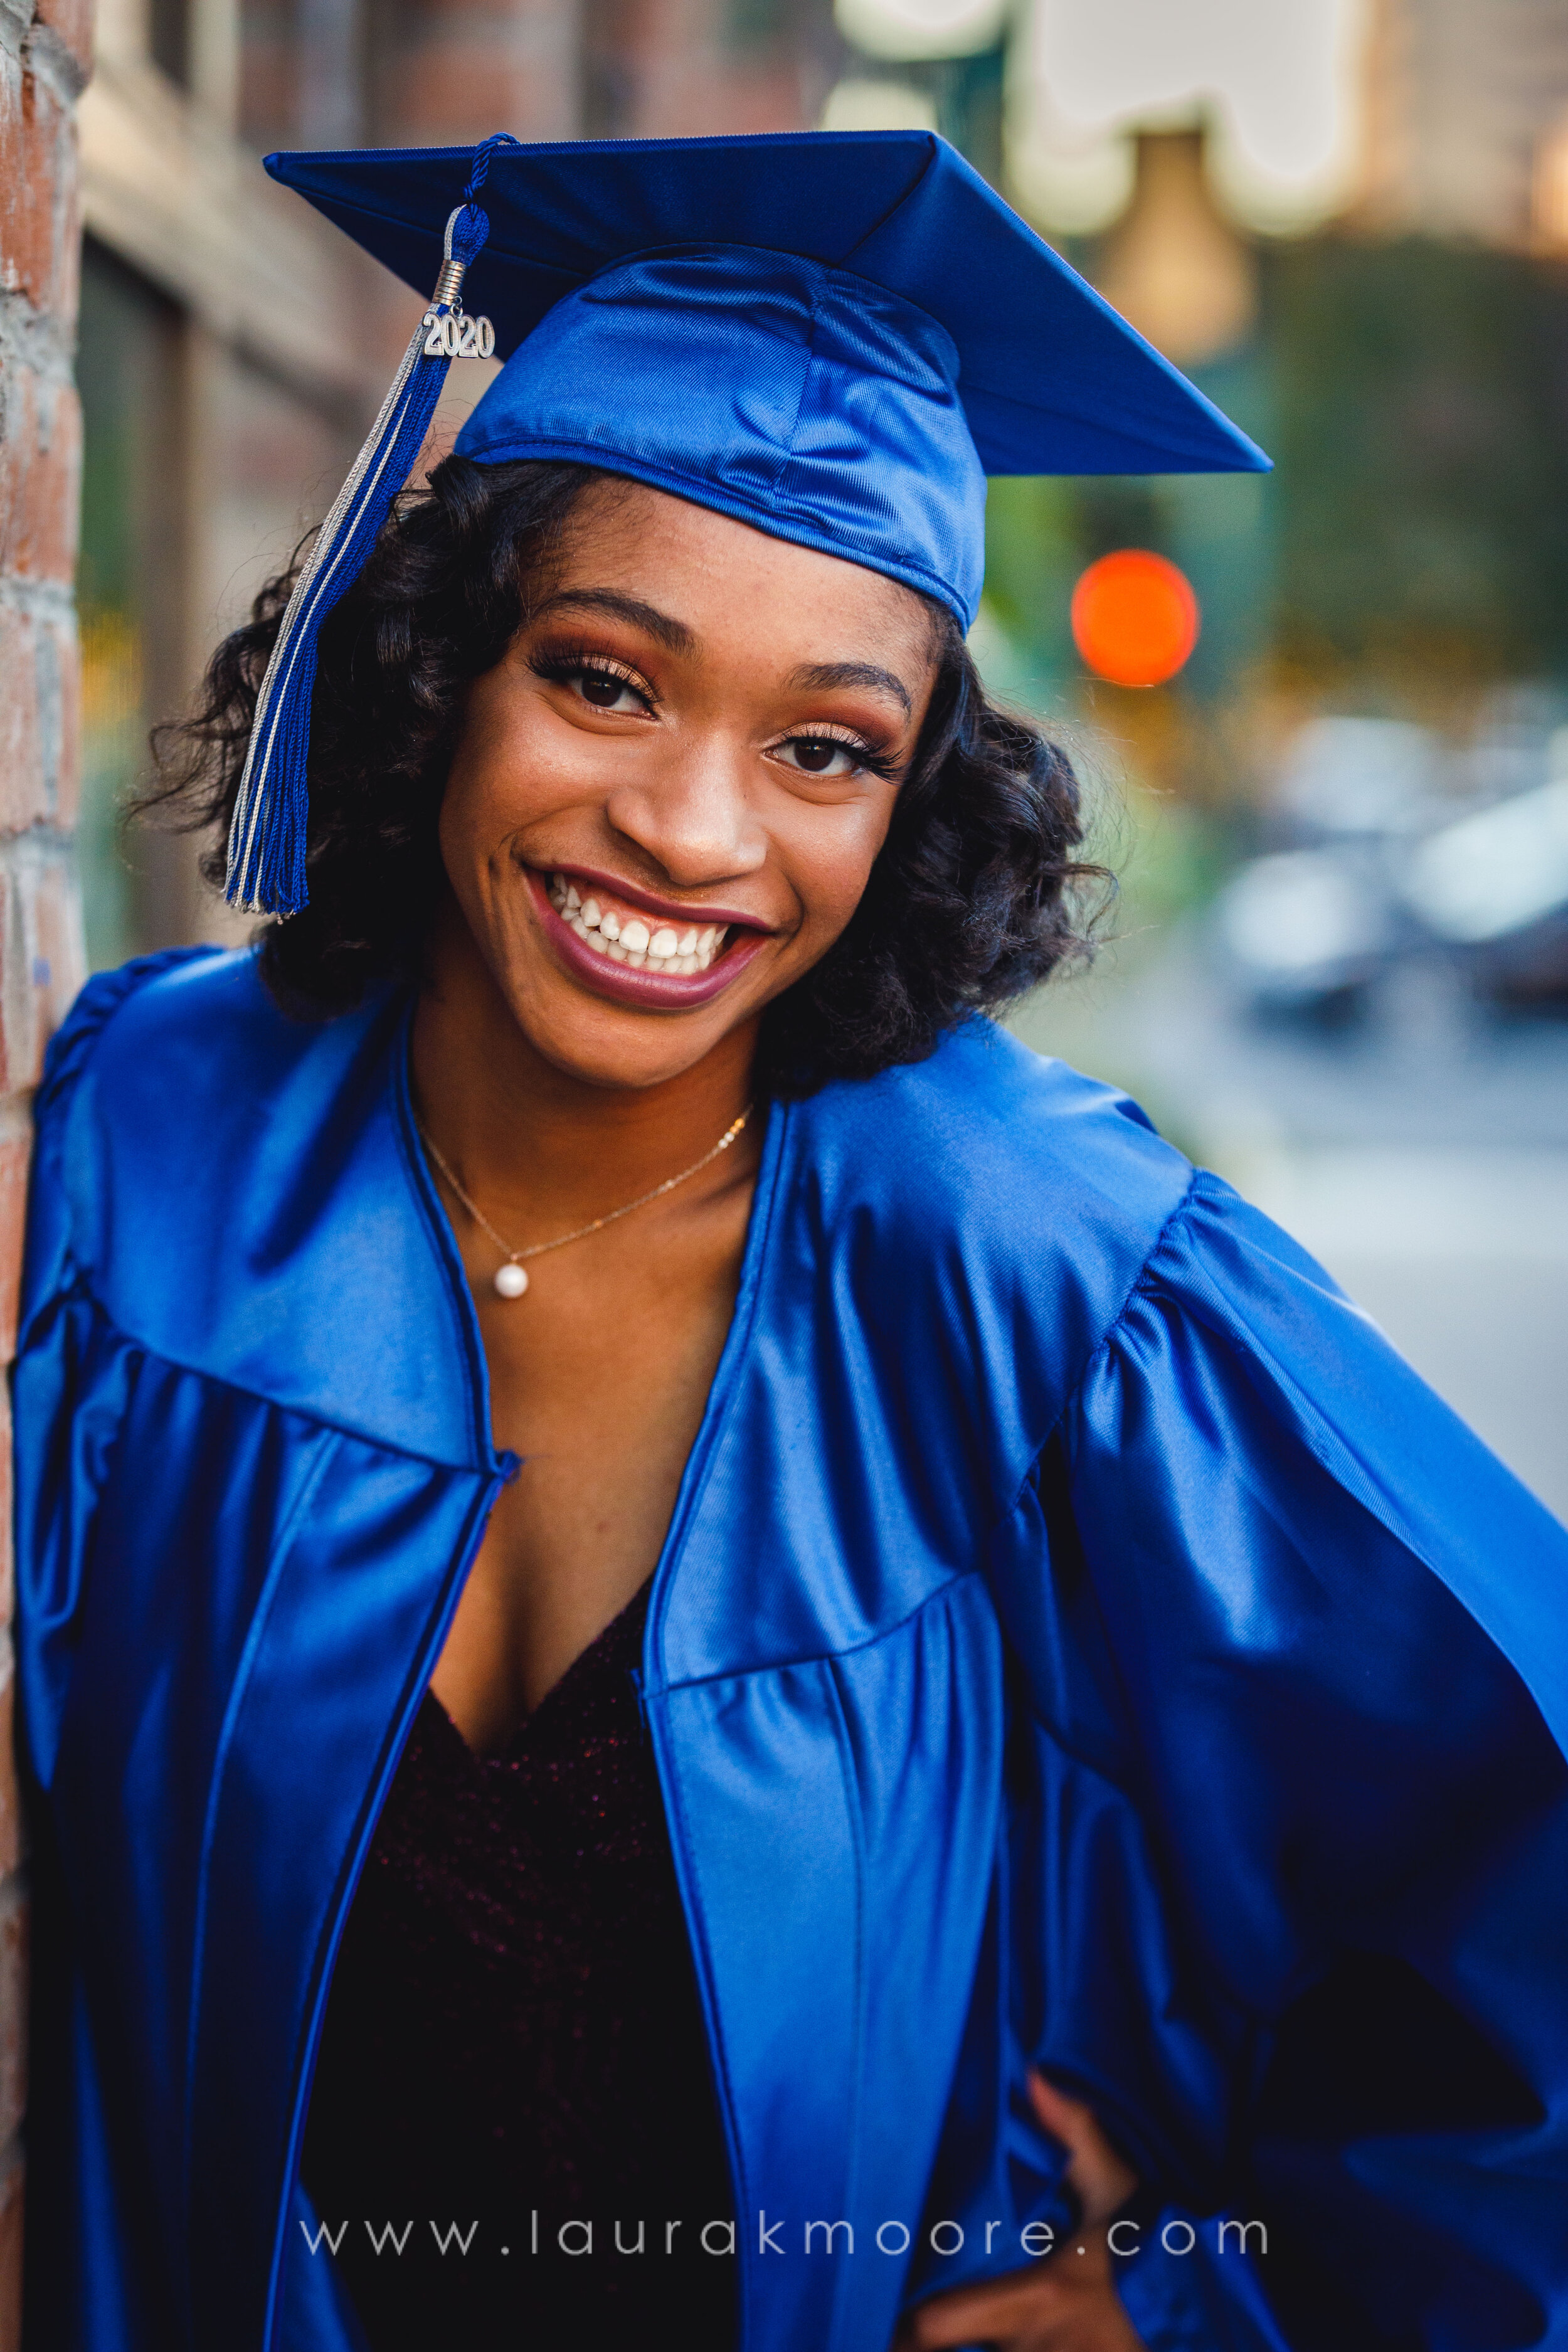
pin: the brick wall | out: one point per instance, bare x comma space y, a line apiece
44, 59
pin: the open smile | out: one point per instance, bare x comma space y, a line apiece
637, 949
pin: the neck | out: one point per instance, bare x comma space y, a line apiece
525, 1135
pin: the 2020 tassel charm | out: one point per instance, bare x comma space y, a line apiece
267, 833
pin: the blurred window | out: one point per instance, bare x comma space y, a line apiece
131, 568
169, 39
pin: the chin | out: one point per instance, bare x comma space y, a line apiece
606, 1044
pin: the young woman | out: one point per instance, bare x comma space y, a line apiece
710, 1659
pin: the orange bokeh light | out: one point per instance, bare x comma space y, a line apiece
1134, 617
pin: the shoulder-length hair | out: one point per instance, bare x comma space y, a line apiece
976, 896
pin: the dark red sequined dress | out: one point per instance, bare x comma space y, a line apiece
513, 2041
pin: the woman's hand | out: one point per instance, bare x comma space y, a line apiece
1068, 2302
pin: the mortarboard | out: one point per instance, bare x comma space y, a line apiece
834, 336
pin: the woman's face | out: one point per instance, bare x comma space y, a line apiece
668, 796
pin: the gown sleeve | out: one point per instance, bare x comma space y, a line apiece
1301, 1767
71, 1374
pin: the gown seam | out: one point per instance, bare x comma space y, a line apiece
335, 1919
80, 1287
699, 1935
855, 1809
667, 1766
440, 1239
824, 1657
1071, 1393
256, 1634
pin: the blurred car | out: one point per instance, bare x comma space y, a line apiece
1493, 886
1358, 780
1380, 866
1310, 925
1307, 929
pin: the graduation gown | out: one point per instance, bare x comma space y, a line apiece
1080, 1639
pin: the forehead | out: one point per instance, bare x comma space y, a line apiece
713, 574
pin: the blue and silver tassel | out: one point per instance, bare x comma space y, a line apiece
267, 836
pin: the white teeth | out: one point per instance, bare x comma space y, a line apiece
630, 942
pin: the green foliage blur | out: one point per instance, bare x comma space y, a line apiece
1421, 434
1410, 549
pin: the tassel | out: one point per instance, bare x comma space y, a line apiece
268, 835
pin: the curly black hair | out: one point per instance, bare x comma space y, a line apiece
975, 898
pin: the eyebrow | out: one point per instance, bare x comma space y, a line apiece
678, 639
673, 635
823, 675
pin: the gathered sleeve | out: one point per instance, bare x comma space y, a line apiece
1297, 1699
72, 1373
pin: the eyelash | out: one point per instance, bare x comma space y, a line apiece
871, 763
564, 666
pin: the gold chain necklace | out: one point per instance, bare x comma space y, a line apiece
511, 1277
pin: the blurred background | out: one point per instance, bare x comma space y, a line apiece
1321, 718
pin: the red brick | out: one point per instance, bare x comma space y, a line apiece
11, 2260
67, 222
40, 476
40, 972
13, 2005
36, 156
6, 1578
62, 789
10, 1810
16, 1026
72, 22
22, 801
39, 692
40, 945
14, 1158
57, 686
40, 720
57, 955
449, 92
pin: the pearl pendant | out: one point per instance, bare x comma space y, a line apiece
511, 1281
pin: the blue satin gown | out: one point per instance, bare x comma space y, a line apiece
1080, 1640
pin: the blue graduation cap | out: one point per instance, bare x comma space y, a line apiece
833, 336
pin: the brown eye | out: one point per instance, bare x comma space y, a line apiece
819, 755
603, 691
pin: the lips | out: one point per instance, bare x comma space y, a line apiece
638, 949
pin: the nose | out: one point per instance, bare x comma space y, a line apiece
693, 816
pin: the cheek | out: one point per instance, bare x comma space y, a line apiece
472, 828
506, 773
830, 853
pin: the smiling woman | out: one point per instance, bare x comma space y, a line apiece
708, 1659
962, 887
